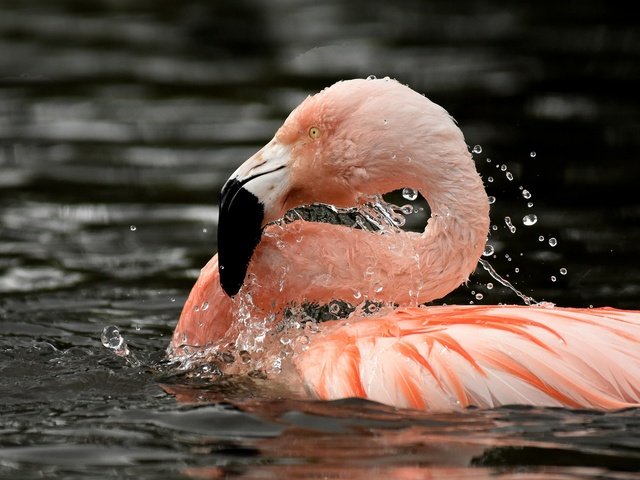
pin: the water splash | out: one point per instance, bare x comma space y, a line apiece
379, 216
528, 219
525, 298
374, 215
114, 341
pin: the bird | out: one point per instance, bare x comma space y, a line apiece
345, 146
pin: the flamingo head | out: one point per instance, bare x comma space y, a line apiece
351, 140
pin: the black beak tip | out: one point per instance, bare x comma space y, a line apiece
239, 232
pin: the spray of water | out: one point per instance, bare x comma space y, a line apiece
114, 341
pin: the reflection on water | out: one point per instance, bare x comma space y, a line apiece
120, 121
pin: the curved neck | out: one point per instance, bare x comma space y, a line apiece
454, 238
315, 262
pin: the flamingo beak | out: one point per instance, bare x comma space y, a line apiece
249, 199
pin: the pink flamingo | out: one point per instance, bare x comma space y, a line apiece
355, 139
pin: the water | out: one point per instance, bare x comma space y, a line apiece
119, 123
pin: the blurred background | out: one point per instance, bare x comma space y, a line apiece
121, 119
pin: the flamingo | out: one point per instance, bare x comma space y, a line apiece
353, 140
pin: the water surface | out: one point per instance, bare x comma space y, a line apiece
120, 121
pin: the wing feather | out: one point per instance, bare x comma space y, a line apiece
441, 358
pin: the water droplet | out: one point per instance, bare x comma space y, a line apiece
563, 271
204, 230
509, 176
372, 308
407, 209
409, 194
111, 338
371, 77
133, 228
488, 160
526, 194
511, 226
529, 220
553, 278
378, 288
196, 308
490, 179
532, 154
516, 270
205, 306
357, 295
489, 286
334, 309
488, 250
479, 296
553, 242
172, 299
477, 149
494, 227
541, 238
529, 204
491, 199
503, 168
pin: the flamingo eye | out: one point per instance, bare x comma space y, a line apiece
314, 132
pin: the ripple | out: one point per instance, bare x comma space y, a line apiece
69, 454
25, 279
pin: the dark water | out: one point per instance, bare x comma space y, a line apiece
121, 119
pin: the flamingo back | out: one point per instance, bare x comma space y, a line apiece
443, 358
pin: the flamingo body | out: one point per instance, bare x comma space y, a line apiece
442, 358
351, 141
